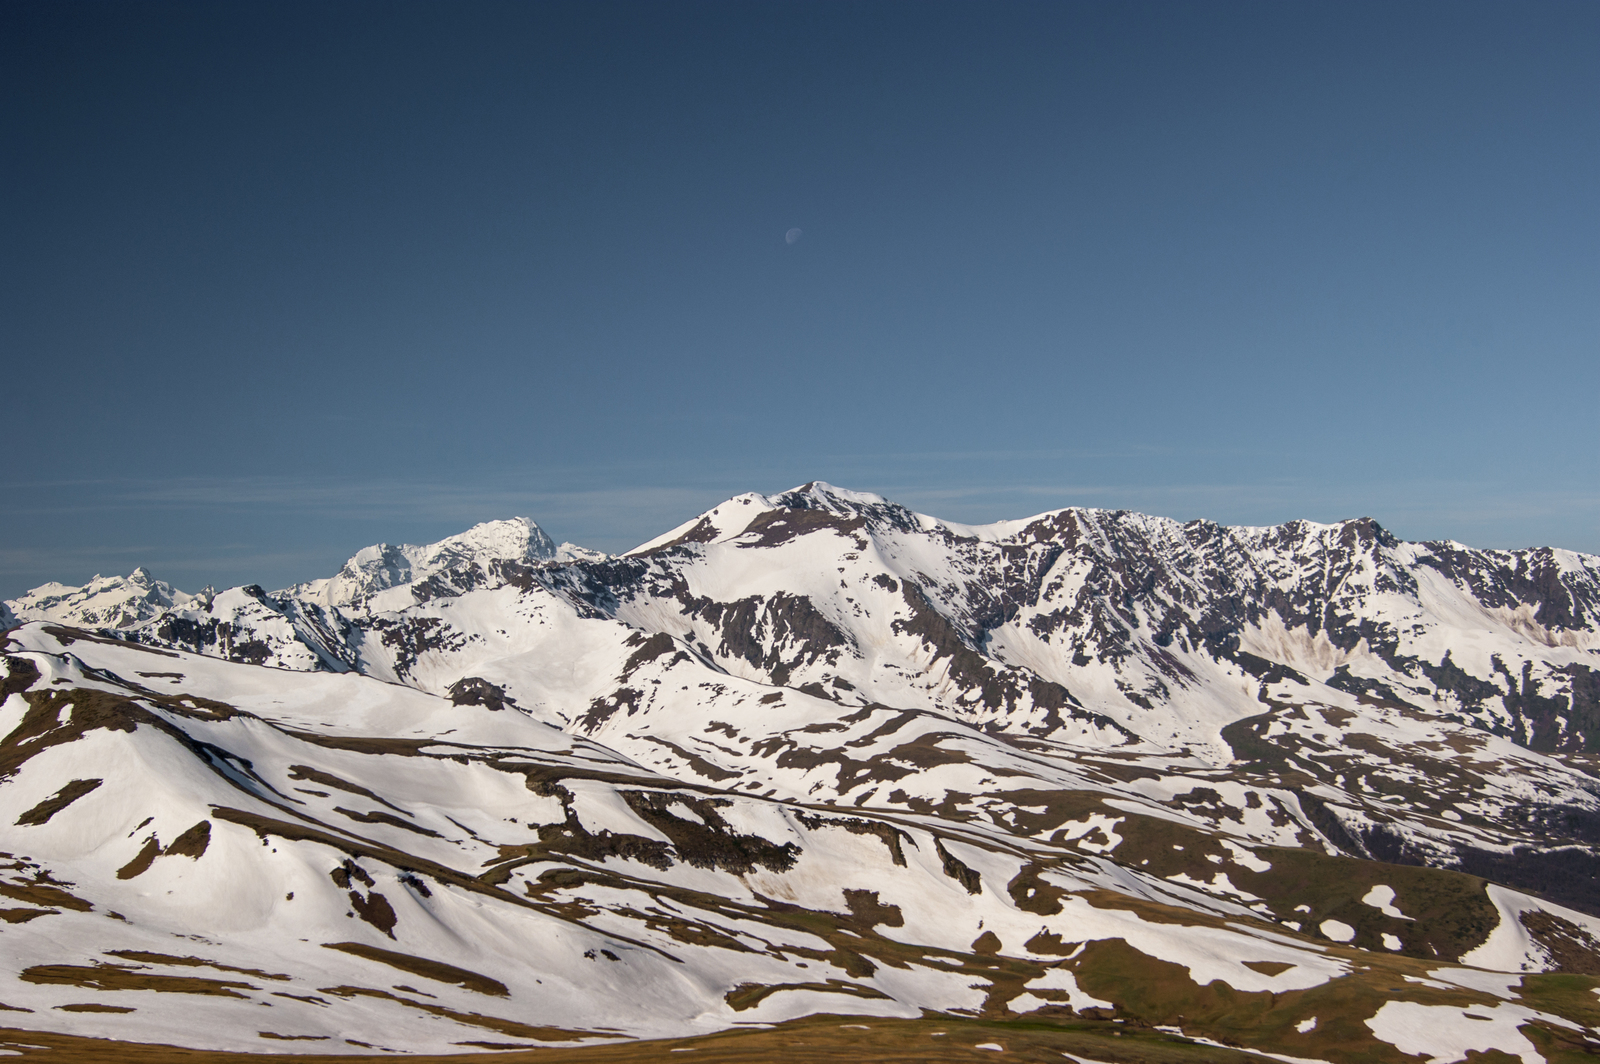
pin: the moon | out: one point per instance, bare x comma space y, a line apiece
791, 236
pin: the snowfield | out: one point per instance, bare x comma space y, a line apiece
815, 753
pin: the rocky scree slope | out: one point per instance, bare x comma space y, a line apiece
1300, 788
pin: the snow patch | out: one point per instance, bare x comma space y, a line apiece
1382, 899
1447, 1033
1337, 930
1063, 979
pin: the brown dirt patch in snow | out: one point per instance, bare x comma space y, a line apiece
22, 916
375, 910
967, 877
378, 816
142, 860
145, 957
293, 1037
123, 977
21, 674
869, 911
52, 805
428, 969
749, 995
925, 752
328, 779
1037, 811
44, 894
1032, 894
362, 744
192, 843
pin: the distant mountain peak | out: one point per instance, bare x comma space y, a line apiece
103, 602
820, 492
383, 566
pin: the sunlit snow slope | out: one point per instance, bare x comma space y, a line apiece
815, 752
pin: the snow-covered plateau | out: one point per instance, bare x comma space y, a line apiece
1307, 791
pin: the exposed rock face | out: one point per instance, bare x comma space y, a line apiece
815, 752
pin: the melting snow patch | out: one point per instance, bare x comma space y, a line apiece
1306, 1026
1382, 898
1447, 1033
1220, 884
683, 812
1508, 947
1062, 979
996, 1046
1497, 983
1247, 858
1078, 831
1392, 941
1337, 930
1434, 983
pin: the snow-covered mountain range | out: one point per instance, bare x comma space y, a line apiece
1305, 789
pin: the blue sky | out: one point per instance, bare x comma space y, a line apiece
281, 280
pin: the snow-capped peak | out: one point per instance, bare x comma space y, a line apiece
383, 566
1282, 747
819, 493
737, 514
571, 552
104, 602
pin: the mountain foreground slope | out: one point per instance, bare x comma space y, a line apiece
1306, 790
